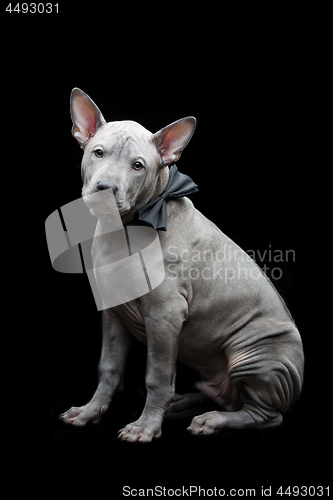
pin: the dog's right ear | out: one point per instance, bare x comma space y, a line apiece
86, 116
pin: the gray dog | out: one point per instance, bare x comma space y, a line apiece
215, 310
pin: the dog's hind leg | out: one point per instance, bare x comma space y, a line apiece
214, 421
184, 402
266, 396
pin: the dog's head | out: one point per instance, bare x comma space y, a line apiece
123, 155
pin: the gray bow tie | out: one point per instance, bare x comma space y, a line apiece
154, 214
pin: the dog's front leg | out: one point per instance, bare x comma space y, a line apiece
162, 347
116, 343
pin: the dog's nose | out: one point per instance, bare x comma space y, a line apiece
101, 185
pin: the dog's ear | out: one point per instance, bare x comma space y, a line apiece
171, 140
86, 116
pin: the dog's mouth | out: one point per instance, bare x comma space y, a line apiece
105, 201
122, 206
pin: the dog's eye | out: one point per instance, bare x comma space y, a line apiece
137, 165
98, 153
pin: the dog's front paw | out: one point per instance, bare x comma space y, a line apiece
140, 432
81, 415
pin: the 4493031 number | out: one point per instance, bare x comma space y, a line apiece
33, 8
304, 491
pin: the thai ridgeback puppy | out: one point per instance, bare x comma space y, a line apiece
215, 311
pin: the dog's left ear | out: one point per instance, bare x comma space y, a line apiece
171, 140
86, 116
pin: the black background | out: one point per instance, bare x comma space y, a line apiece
250, 155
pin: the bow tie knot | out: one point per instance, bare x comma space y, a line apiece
154, 214
164, 196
